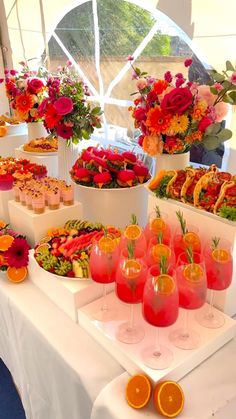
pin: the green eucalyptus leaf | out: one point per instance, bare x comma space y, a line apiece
229, 66
228, 99
96, 110
211, 142
213, 129
232, 95
219, 77
85, 134
98, 125
226, 84
225, 134
214, 90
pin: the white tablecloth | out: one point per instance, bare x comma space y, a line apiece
62, 373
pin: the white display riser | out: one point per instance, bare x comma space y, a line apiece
129, 355
10, 142
5, 197
69, 295
50, 161
209, 226
35, 226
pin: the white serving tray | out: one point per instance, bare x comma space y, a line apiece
50, 160
128, 355
210, 225
67, 294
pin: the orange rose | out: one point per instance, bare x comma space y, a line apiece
152, 145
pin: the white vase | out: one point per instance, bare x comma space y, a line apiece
113, 206
172, 161
67, 156
36, 130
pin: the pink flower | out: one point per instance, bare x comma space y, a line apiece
64, 131
221, 110
204, 123
168, 76
130, 58
63, 105
177, 101
1, 81
35, 85
69, 63
179, 82
140, 114
205, 93
134, 75
232, 79
6, 71
13, 72
42, 107
218, 86
188, 62
141, 84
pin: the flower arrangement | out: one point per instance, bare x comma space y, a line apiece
65, 111
25, 91
107, 168
14, 253
173, 113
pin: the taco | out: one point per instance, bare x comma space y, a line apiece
193, 176
208, 188
225, 205
159, 183
175, 184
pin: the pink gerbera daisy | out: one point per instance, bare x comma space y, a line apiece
18, 254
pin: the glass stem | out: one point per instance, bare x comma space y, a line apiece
131, 319
157, 350
210, 313
186, 324
104, 299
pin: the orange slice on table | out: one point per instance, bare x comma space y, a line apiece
164, 284
191, 239
133, 232
159, 250
5, 242
138, 391
193, 272
2, 224
132, 268
106, 244
168, 398
221, 255
17, 274
157, 225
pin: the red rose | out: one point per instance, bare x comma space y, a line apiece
204, 123
177, 100
35, 85
140, 114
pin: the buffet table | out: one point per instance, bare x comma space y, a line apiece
61, 372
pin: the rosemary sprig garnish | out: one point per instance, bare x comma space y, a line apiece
182, 221
189, 253
157, 211
215, 242
131, 248
163, 265
104, 231
134, 220
160, 237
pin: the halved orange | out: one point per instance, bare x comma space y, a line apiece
191, 239
168, 398
164, 284
157, 225
2, 224
138, 391
42, 248
132, 268
221, 255
106, 244
133, 232
193, 272
159, 250
5, 242
17, 274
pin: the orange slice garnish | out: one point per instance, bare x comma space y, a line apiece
17, 274
157, 225
221, 255
138, 391
132, 268
106, 244
168, 398
133, 232
191, 239
164, 284
5, 242
159, 250
193, 272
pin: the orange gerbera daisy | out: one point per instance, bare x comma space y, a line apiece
160, 86
157, 120
24, 102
